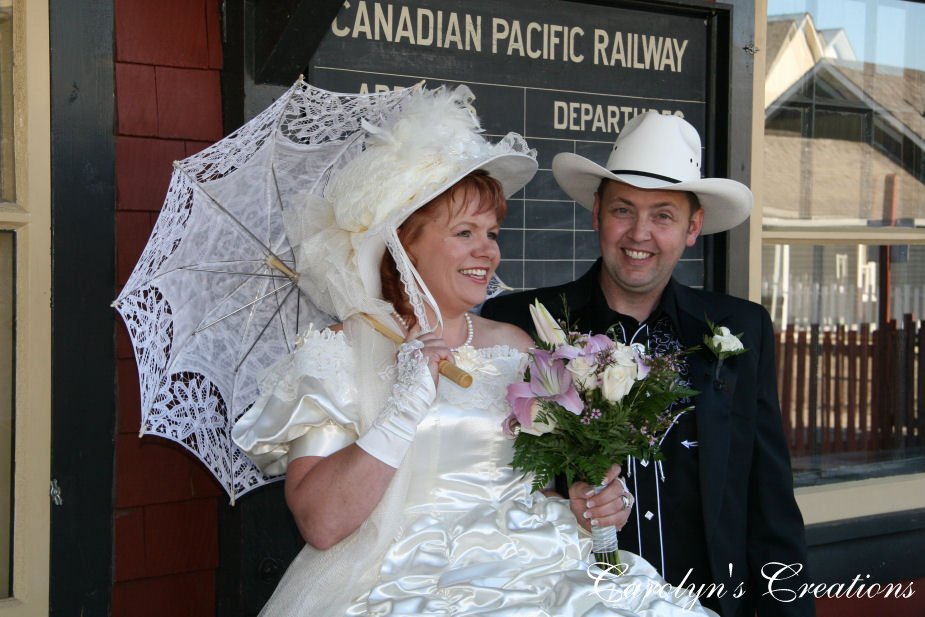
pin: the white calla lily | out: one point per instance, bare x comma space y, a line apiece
547, 328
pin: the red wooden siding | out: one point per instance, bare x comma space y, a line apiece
168, 104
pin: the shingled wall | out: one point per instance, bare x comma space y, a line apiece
168, 105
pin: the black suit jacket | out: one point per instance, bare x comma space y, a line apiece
750, 515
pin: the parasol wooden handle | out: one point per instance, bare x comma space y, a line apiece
454, 373
274, 262
445, 367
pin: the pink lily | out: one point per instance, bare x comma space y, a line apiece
549, 379
589, 346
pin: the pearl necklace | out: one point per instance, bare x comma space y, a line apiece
401, 320
470, 329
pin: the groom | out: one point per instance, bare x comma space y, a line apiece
720, 509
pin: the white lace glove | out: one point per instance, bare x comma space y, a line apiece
391, 434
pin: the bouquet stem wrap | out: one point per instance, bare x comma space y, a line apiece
604, 544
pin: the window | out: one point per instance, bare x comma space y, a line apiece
843, 242
7, 297
7, 354
7, 175
25, 322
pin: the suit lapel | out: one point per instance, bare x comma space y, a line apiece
713, 406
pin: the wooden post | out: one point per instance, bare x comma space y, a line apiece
867, 390
853, 395
827, 376
814, 389
884, 279
791, 413
905, 413
801, 357
920, 398
839, 425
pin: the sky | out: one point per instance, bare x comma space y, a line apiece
885, 32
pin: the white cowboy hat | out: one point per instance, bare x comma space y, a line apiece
655, 151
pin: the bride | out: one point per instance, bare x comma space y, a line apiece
398, 478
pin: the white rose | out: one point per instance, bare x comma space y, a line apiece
582, 372
726, 340
617, 380
623, 355
536, 426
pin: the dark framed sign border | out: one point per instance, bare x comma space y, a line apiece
257, 536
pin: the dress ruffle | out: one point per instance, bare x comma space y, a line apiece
307, 407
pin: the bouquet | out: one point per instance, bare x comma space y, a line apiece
587, 402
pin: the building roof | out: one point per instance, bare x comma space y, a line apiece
837, 182
900, 91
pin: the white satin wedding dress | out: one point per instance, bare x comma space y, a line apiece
473, 538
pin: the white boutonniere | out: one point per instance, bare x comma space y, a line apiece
723, 343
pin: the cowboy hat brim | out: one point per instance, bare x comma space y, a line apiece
726, 203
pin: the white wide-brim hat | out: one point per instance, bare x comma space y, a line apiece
655, 151
431, 141
512, 168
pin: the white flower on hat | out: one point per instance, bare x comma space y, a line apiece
410, 159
